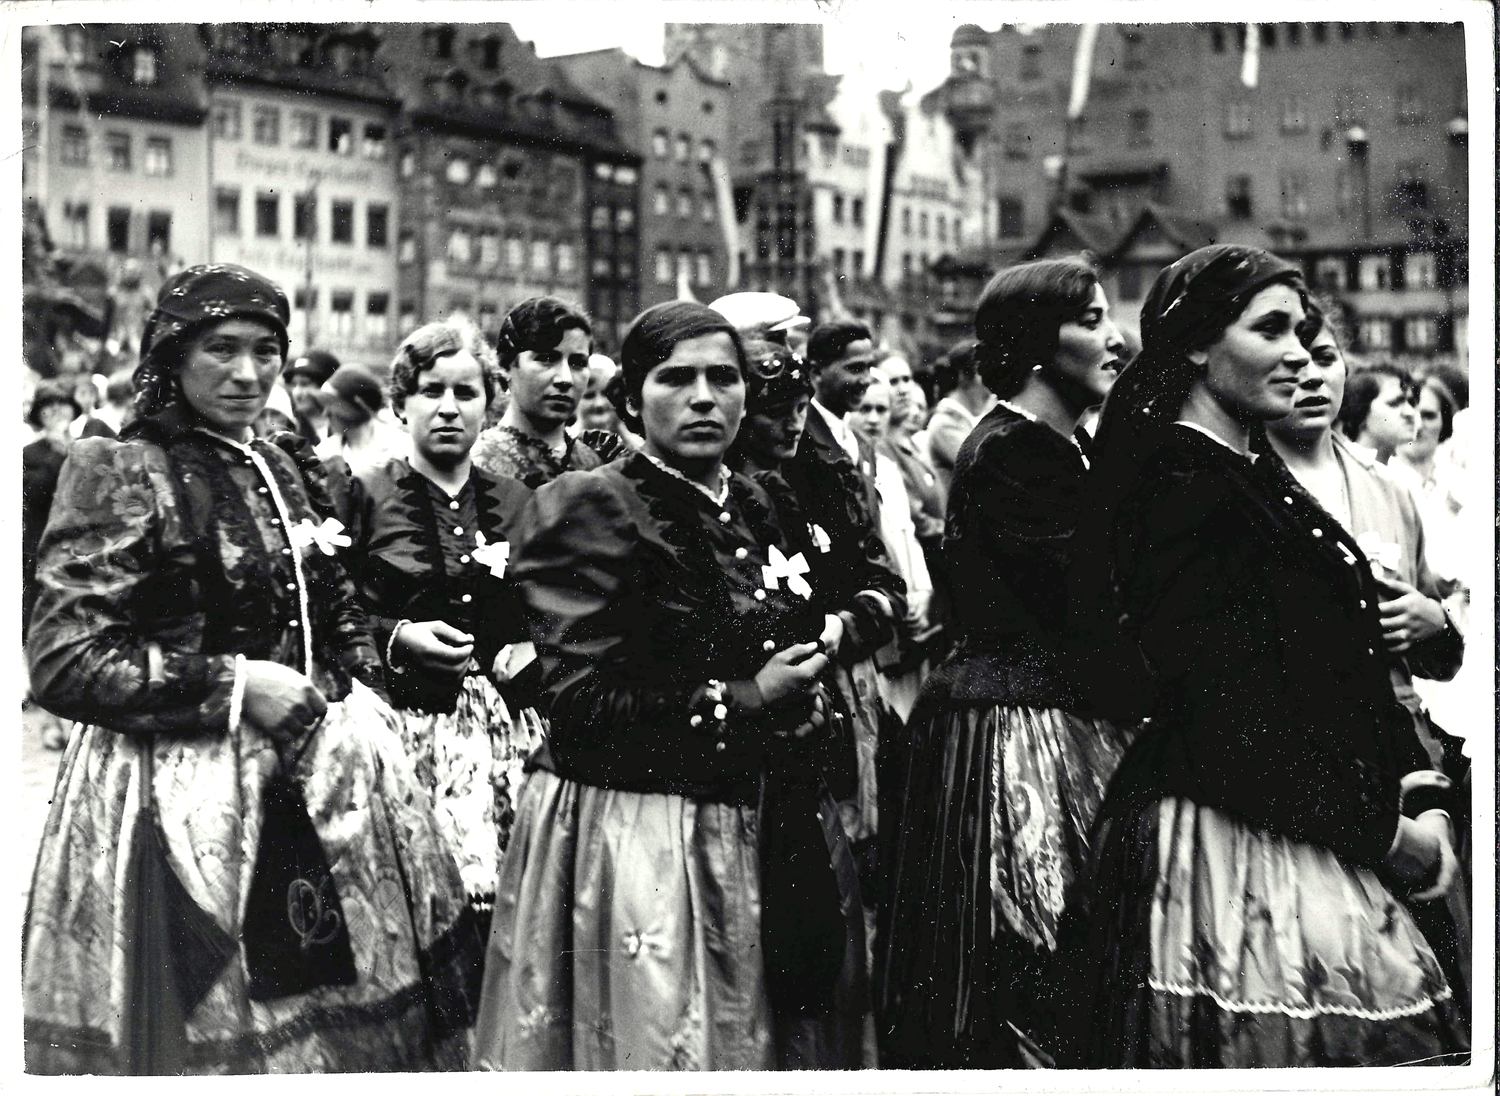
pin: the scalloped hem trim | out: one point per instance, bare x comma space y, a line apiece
1179, 989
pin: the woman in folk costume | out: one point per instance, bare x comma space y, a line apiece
239, 873
1240, 904
432, 541
677, 893
1004, 768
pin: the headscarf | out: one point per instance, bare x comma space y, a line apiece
776, 376
189, 302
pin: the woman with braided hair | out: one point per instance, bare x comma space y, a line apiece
1002, 775
1238, 907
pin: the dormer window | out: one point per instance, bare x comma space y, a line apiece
143, 66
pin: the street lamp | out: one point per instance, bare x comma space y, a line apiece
1358, 143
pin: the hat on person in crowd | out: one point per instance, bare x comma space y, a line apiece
316, 365
760, 314
49, 392
353, 392
775, 376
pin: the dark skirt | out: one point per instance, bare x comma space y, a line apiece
1206, 943
993, 828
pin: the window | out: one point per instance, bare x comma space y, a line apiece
486, 177
117, 229
624, 218
541, 257
707, 150
857, 212
158, 161
906, 266
1293, 114
408, 165
942, 229
1294, 34
705, 268
1012, 217
406, 248
958, 232
341, 223
305, 300
340, 136
1329, 273
377, 226
1343, 191
265, 126
661, 200
439, 42
663, 266
1294, 195
76, 224
407, 315
599, 217
305, 217
684, 203
858, 263
458, 170
659, 141
1238, 201
302, 132
76, 44
603, 172
489, 249
906, 220
227, 211
602, 267
1218, 40
267, 214
567, 260
1320, 33
626, 175
1374, 272
1421, 270
683, 148
489, 318
1017, 142
75, 146
117, 151
143, 69
838, 261
374, 145
1140, 129
515, 252
459, 243
1410, 109
685, 267
226, 119
1420, 333
922, 223
1375, 333
838, 209
377, 316
1031, 62
342, 312
1237, 119
159, 232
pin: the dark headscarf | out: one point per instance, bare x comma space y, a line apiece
188, 303
655, 333
776, 376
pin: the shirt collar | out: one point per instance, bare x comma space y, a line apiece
1207, 433
716, 497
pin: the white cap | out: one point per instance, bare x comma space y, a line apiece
769, 310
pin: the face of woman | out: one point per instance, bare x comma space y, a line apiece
897, 373
691, 404
304, 392
1251, 371
547, 385
446, 411
1088, 353
1392, 421
55, 418
1320, 389
773, 435
1429, 426
873, 415
228, 372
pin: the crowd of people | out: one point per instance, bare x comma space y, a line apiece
724, 707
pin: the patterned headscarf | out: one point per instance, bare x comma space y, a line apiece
189, 302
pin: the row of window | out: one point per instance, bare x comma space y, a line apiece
1295, 34
856, 208
687, 201
343, 137
661, 97
486, 249
1379, 332
923, 223
1409, 194
119, 151
139, 63
1350, 107
620, 218
693, 266
344, 322
681, 149
153, 231
1414, 269
229, 203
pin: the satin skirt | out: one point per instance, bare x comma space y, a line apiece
1214, 944
997, 807
412, 935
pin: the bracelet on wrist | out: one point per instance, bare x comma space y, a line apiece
390, 647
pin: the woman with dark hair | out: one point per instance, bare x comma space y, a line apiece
964, 401
669, 900
543, 347
1379, 410
1238, 905
432, 540
1003, 773
238, 873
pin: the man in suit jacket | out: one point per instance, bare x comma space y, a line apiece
840, 355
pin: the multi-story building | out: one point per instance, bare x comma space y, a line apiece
1343, 145
497, 154
303, 183
677, 117
115, 156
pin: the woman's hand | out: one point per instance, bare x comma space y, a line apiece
280, 702
511, 659
789, 673
818, 716
832, 634
433, 647
1423, 850
1410, 616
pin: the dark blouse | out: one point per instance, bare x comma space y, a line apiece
167, 556
506, 453
420, 554
641, 589
1247, 630
1012, 512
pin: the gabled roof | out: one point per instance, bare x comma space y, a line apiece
1184, 231
1096, 234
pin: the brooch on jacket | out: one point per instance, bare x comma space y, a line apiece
495, 556
791, 570
821, 541
328, 537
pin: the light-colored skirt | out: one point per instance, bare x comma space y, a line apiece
1264, 951
471, 761
626, 935
396, 880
